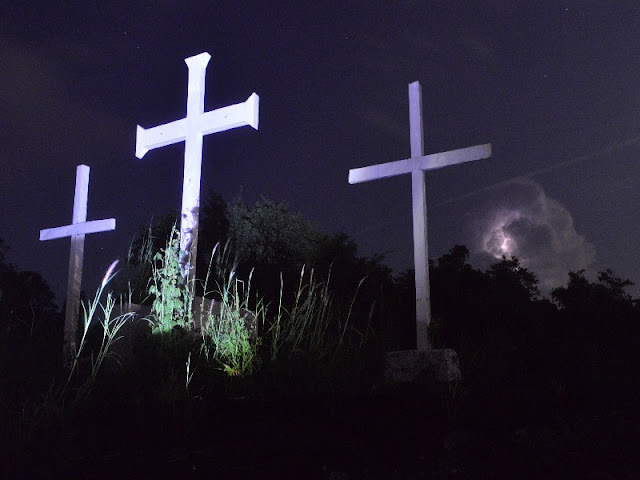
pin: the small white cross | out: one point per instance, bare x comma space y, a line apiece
78, 228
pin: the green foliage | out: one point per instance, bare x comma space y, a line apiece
493, 319
110, 329
607, 295
213, 230
270, 242
165, 365
139, 260
599, 324
312, 327
172, 296
151, 238
138, 268
507, 336
336, 258
514, 281
27, 304
303, 329
309, 344
314, 345
230, 337
226, 338
40, 410
321, 326
268, 234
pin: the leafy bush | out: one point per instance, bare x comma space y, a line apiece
173, 297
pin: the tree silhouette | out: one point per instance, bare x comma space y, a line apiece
26, 301
600, 327
30, 332
214, 230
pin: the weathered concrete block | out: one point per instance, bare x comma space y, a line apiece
440, 366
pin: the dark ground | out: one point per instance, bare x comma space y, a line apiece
393, 434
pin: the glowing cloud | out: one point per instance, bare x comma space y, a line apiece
498, 240
520, 220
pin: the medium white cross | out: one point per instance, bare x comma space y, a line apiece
191, 129
417, 165
77, 230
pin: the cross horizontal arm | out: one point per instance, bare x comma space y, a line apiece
427, 162
83, 228
453, 157
233, 116
160, 136
219, 120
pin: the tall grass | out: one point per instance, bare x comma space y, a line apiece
61, 399
313, 326
110, 329
313, 345
308, 345
248, 335
137, 269
230, 335
244, 336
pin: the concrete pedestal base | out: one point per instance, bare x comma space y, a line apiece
424, 367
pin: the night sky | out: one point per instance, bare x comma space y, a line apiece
555, 87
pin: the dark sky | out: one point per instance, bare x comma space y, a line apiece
555, 87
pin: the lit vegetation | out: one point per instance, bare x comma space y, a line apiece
306, 320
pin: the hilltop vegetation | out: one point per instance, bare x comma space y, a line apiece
325, 316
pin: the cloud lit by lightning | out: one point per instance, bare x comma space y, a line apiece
520, 220
498, 240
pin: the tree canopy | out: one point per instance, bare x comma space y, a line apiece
503, 329
26, 301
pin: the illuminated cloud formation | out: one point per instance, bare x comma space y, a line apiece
521, 220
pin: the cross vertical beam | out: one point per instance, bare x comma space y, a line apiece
417, 165
191, 130
420, 239
77, 230
189, 216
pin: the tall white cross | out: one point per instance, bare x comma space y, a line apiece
417, 165
77, 230
191, 129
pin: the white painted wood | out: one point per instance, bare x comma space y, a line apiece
426, 162
417, 165
214, 121
83, 228
191, 129
77, 230
420, 239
